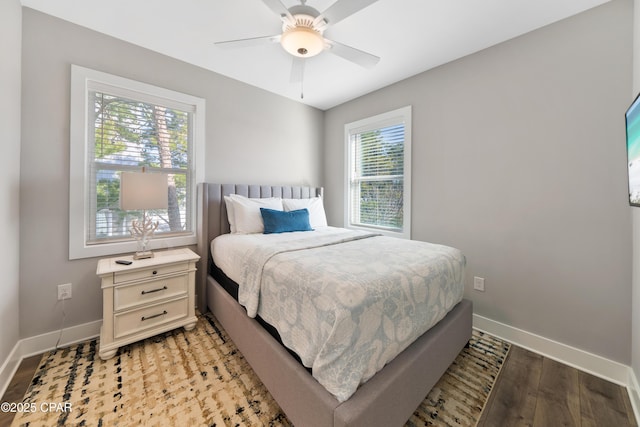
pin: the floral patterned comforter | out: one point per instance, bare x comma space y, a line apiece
347, 302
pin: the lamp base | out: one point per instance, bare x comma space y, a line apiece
143, 255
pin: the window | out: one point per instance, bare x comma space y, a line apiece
378, 187
120, 125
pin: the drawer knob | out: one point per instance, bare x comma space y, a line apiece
154, 316
164, 288
154, 272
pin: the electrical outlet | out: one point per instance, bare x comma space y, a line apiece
64, 291
478, 284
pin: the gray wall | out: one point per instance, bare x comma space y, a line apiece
10, 25
252, 136
519, 161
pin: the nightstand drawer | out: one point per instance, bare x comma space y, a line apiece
129, 296
135, 321
128, 276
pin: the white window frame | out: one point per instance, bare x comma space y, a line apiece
79, 174
391, 118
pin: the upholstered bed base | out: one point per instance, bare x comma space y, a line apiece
387, 399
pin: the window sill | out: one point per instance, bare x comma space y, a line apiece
116, 248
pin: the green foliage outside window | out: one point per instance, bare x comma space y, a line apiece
378, 177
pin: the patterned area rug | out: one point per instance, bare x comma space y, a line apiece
200, 378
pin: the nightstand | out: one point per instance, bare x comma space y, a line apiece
147, 297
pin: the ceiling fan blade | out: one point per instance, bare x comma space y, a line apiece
352, 54
297, 70
342, 9
254, 41
280, 9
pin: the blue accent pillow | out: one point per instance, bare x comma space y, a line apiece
281, 222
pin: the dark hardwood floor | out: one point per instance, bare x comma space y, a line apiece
531, 390
18, 386
535, 391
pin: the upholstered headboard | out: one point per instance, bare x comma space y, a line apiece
212, 218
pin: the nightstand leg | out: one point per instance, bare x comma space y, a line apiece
108, 354
190, 326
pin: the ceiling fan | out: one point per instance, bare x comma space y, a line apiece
302, 34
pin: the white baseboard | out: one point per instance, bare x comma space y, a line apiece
47, 341
634, 393
9, 368
40, 343
579, 359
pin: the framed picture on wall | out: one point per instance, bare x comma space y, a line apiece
632, 121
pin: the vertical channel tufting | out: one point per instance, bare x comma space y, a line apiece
254, 192
265, 191
276, 192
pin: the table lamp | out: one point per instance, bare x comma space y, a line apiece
143, 191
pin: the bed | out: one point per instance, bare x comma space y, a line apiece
388, 398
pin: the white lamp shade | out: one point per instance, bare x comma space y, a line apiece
143, 191
302, 42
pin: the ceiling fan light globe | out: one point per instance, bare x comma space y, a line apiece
302, 42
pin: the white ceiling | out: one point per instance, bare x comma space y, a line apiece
410, 36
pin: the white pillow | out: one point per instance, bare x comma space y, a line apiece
247, 215
231, 216
317, 216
